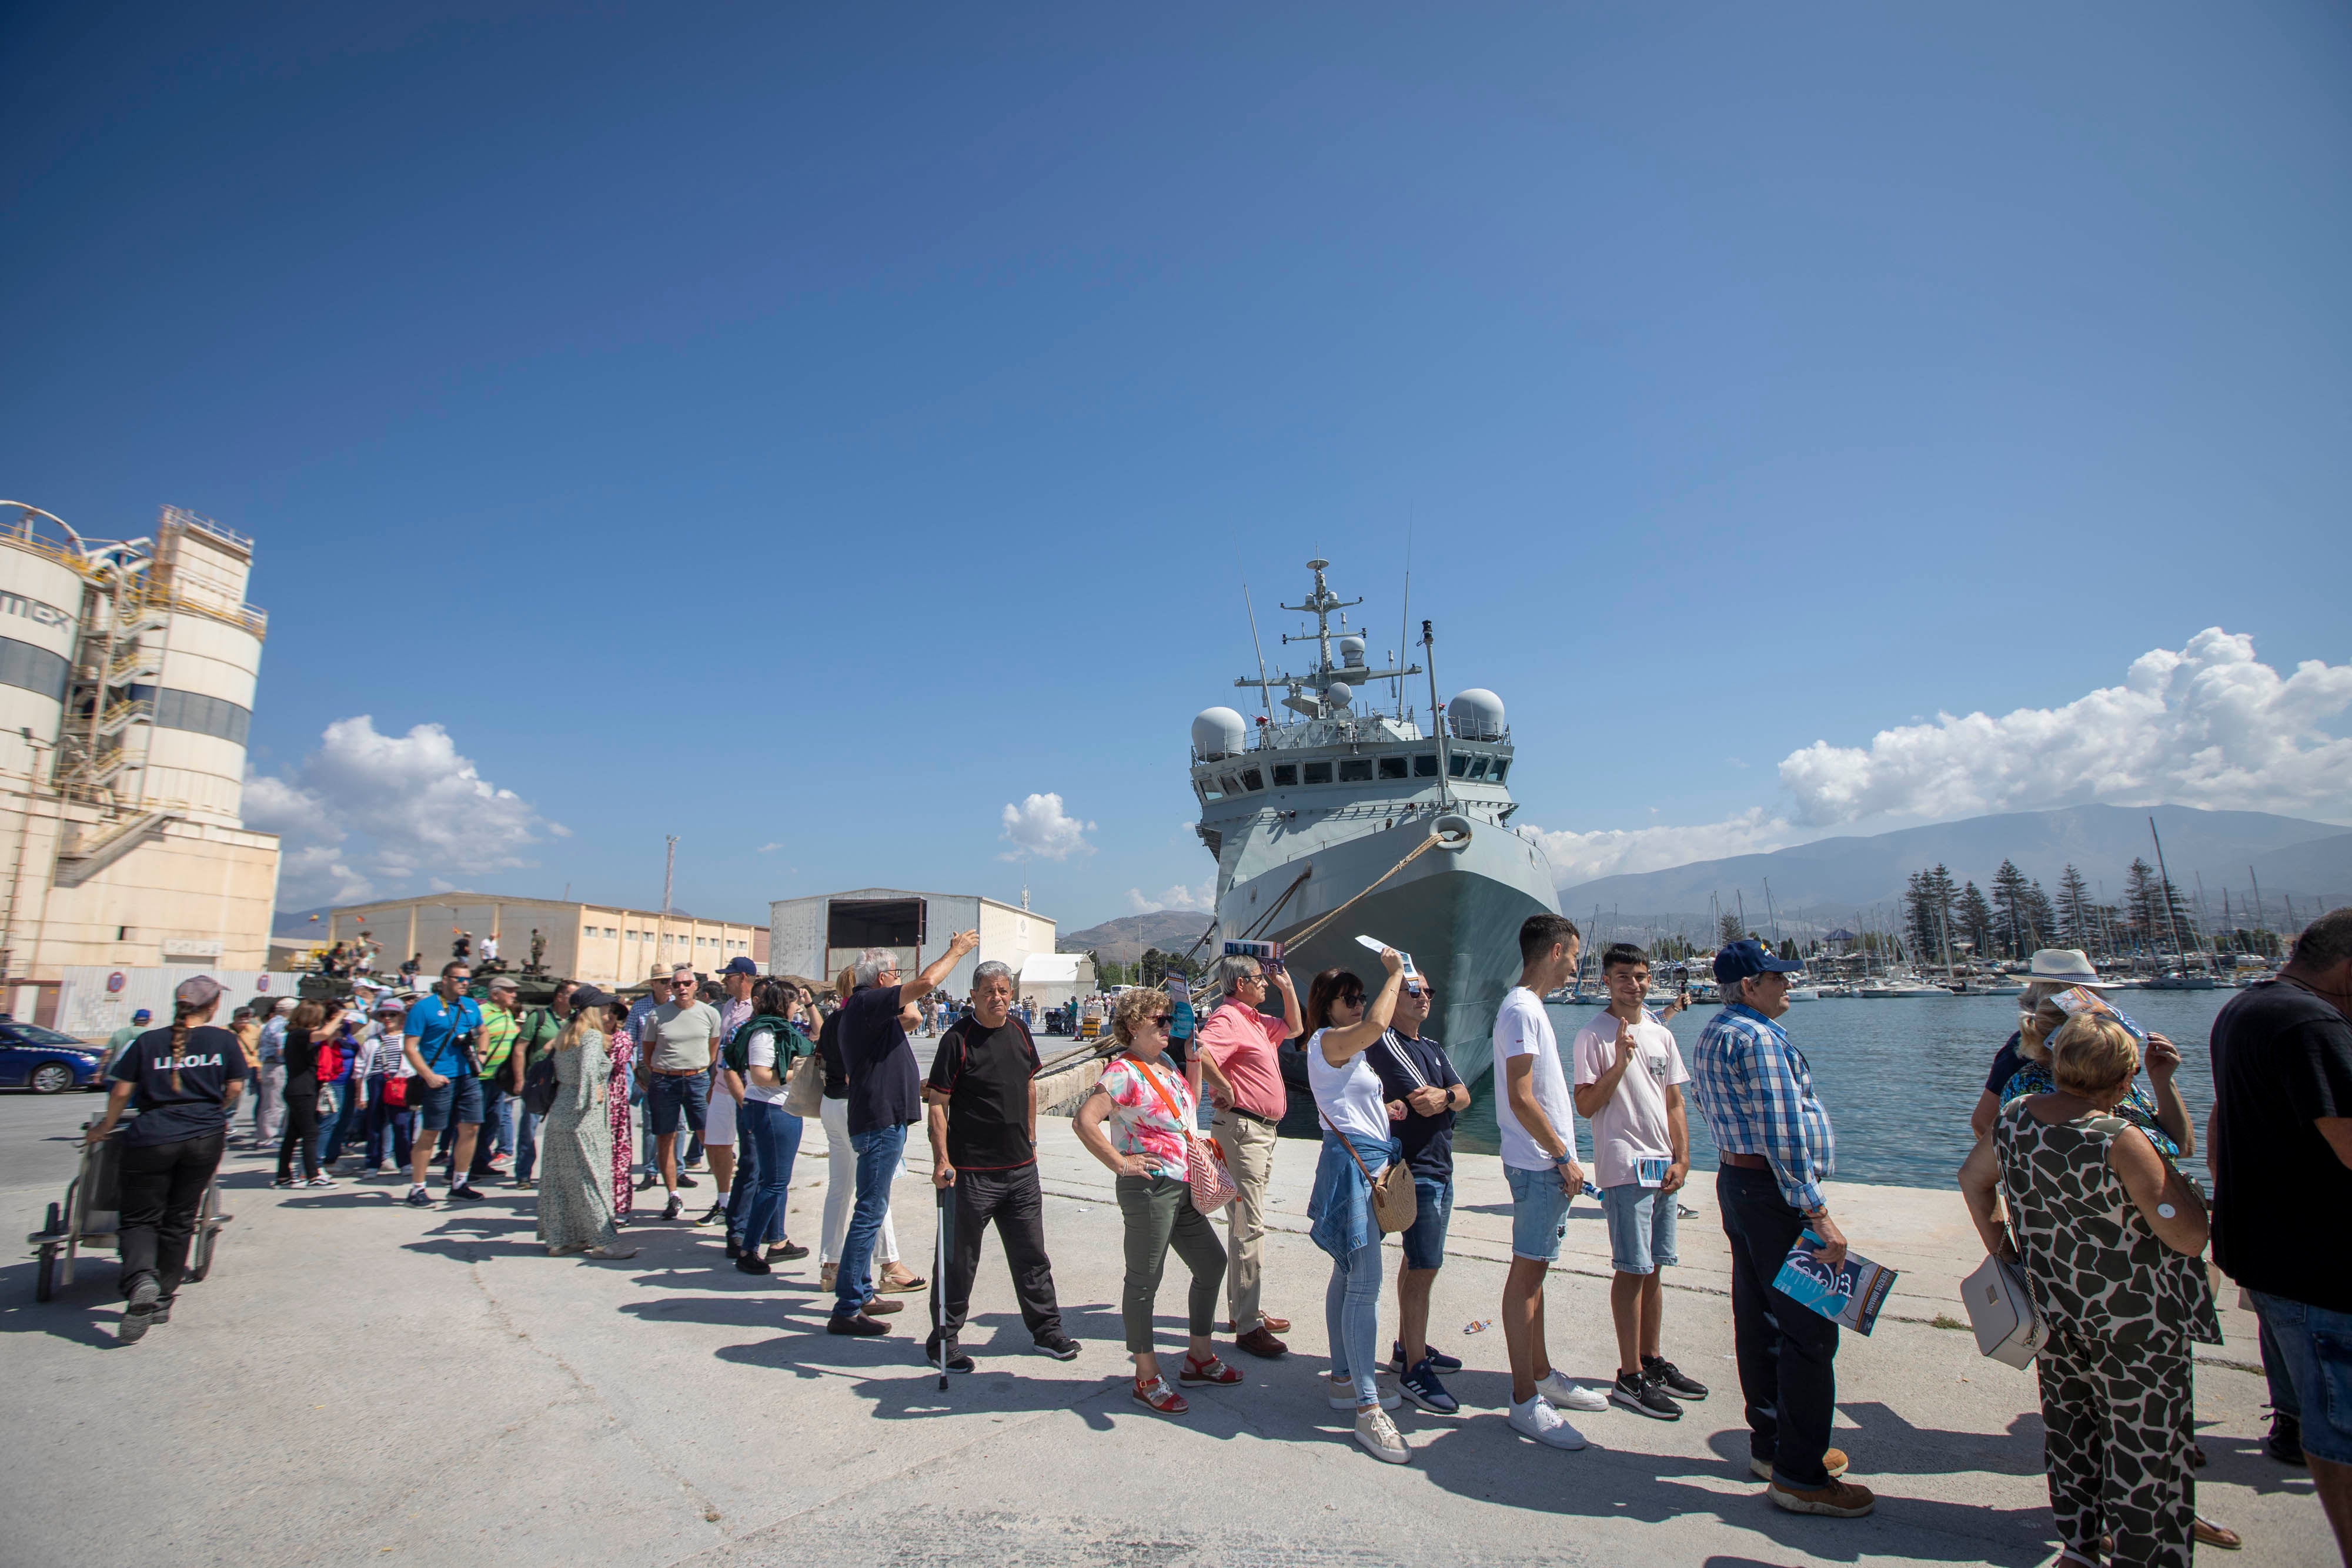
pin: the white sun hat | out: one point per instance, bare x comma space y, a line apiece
2065, 967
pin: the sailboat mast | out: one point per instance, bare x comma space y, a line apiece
2171, 919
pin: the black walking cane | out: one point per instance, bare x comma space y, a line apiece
939, 1282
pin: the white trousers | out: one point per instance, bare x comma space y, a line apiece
841, 1188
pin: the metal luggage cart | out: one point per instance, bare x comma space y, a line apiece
88, 1217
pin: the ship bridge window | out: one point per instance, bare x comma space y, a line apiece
1393, 766
1208, 789
1319, 773
1458, 765
1502, 766
1253, 779
1478, 767
1425, 765
1285, 774
1231, 785
1355, 770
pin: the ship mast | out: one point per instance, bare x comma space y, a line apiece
1320, 604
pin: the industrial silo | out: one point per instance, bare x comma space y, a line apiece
205, 655
41, 581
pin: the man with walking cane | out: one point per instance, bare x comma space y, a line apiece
982, 1098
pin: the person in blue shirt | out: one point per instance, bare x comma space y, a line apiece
439, 1038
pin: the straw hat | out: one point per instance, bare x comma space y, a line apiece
2066, 966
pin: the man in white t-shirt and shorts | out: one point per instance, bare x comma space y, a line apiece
1628, 1076
1536, 1117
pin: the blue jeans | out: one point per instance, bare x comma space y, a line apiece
1351, 1319
1787, 1353
386, 1125
2316, 1343
334, 1129
526, 1144
878, 1152
500, 1104
768, 1140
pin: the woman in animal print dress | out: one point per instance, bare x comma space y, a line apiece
2108, 1234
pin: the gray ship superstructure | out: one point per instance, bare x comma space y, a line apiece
1306, 812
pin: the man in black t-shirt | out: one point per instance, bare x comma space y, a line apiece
983, 1122
2281, 1144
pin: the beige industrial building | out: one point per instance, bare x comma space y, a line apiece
127, 677
601, 944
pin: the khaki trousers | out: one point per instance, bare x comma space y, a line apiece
1249, 1153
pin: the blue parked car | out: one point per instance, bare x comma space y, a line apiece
46, 1061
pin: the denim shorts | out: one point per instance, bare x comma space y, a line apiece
458, 1101
1538, 1213
670, 1096
1641, 1229
2316, 1344
1425, 1238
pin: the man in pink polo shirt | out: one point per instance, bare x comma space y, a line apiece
1237, 1050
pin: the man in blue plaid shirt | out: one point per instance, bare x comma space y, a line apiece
1774, 1147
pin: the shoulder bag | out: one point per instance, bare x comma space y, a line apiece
2000, 1310
1395, 1205
805, 1090
1204, 1158
539, 1086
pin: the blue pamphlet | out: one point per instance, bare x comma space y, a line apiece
1849, 1296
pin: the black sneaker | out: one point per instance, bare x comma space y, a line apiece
733, 1251
1642, 1395
751, 1263
676, 1206
787, 1252
419, 1199
685, 1180
956, 1362
464, 1189
2285, 1442
861, 1325
648, 1184
716, 1213
136, 1322
1664, 1373
1438, 1360
1060, 1346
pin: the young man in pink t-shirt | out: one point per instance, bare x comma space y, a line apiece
1236, 1048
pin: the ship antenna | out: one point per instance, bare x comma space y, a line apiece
1404, 613
1436, 720
1265, 696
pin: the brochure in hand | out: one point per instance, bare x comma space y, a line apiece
1849, 1296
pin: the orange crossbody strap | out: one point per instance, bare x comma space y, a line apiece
1175, 1115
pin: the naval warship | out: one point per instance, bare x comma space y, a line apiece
1326, 801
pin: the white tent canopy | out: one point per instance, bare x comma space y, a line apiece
1051, 979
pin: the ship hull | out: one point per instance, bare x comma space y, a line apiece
1457, 912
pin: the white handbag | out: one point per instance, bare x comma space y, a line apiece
2001, 1311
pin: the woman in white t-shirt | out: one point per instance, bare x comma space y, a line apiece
1357, 1142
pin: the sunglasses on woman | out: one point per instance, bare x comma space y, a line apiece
1160, 1020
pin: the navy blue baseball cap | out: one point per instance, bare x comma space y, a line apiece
739, 965
1741, 960
142, 1015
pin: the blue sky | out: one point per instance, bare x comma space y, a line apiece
812, 434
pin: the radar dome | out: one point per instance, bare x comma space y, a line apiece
1339, 694
1351, 653
1476, 715
1218, 731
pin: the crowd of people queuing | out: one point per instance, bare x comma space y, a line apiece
2077, 1178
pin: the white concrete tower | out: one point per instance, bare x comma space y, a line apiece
204, 648
41, 579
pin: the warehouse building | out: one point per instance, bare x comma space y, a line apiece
815, 936
601, 944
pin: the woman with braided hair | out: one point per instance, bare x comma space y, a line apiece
186, 1080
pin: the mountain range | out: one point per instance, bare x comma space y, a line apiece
1122, 941
1834, 880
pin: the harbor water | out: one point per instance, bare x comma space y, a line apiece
1899, 1077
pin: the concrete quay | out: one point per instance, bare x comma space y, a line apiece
359, 1382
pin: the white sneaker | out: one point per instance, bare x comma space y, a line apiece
1567, 1395
1380, 1439
1537, 1419
1343, 1395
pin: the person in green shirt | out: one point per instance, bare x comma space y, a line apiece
501, 1079
531, 1042
141, 1023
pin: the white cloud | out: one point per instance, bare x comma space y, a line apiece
1039, 827
1609, 852
2209, 726
1199, 899
768, 849
366, 813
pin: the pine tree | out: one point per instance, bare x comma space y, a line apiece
1726, 929
2012, 920
2041, 918
1928, 901
2078, 925
1972, 918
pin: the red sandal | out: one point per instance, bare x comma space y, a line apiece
1159, 1396
1212, 1371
